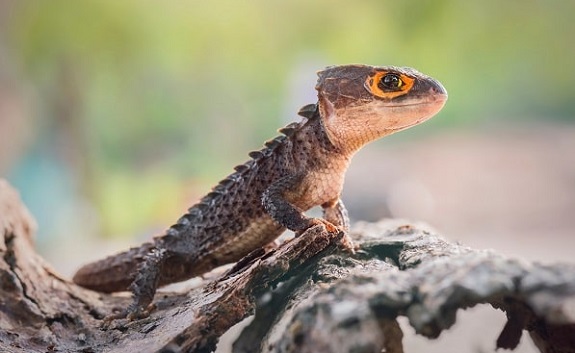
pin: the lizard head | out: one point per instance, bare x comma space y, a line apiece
360, 103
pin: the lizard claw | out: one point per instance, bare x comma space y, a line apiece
131, 314
140, 313
346, 243
329, 227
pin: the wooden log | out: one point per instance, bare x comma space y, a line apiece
307, 295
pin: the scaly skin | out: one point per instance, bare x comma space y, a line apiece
303, 168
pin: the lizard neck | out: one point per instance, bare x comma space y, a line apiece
313, 148
343, 130
323, 163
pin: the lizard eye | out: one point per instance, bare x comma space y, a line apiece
390, 82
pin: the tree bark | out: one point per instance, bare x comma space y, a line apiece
307, 295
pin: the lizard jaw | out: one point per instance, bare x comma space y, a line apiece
350, 128
397, 117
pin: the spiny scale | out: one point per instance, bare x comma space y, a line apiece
308, 111
273, 143
256, 154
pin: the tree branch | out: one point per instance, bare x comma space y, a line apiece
308, 295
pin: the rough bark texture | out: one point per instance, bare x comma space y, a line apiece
307, 295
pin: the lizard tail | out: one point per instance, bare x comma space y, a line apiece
114, 273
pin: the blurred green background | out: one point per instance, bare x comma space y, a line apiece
117, 115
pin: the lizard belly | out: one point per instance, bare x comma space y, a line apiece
260, 232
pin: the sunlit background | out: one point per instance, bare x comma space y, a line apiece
115, 116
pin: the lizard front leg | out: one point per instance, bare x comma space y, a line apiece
284, 212
336, 213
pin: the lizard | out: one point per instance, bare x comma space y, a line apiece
302, 168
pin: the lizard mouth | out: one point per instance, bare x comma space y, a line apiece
402, 115
433, 96
418, 103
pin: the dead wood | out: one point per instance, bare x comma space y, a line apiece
307, 295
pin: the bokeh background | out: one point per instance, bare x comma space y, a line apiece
115, 116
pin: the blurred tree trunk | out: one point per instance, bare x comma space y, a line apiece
307, 295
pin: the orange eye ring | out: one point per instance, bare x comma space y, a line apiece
389, 85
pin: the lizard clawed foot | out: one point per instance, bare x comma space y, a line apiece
346, 243
131, 313
139, 312
329, 227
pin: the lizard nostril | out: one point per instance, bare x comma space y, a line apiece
437, 87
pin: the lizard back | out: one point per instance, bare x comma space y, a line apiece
230, 221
